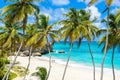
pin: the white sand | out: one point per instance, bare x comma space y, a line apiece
73, 73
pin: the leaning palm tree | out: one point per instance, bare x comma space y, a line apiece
72, 30
91, 32
114, 37
9, 37
108, 4
48, 32
118, 17
18, 12
30, 41
40, 35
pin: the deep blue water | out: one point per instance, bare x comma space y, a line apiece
81, 54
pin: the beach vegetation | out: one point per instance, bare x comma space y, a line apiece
47, 33
17, 35
108, 5
18, 11
90, 33
77, 26
41, 73
113, 38
20, 70
70, 31
3, 63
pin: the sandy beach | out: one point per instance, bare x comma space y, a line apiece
73, 73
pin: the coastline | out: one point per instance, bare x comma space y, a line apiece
73, 63
80, 72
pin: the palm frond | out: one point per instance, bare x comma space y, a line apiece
55, 37
92, 2
108, 2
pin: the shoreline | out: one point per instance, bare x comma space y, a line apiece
73, 64
73, 72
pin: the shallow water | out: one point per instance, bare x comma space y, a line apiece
81, 55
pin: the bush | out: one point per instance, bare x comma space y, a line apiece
2, 63
41, 73
7, 61
1, 74
4, 53
12, 76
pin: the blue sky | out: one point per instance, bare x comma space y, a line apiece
55, 8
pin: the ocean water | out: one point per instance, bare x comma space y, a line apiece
81, 55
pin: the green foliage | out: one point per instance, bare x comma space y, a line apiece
19, 70
108, 2
15, 13
12, 76
41, 73
77, 26
4, 53
7, 61
113, 33
2, 63
1, 74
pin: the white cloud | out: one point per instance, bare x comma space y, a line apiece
94, 12
114, 11
1, 24
60, 2
47, 12
100, 25
86, 1
54, 15
116, 3
57, 27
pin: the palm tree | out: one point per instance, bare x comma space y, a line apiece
114, 37
48, 32
30, 41
40, 34
9, 37
118, 17
108, 4
91, 32
72, 30
18, 11
76, 27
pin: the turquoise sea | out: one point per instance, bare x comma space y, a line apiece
81, 55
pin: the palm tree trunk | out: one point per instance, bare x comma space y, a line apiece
10, 60
69, 54
23, 26
106, 43
102, 65
50, 66
113, 63
92, 61
8, 71
28, 63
